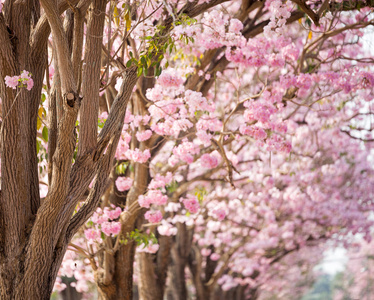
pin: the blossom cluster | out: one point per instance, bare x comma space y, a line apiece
23, 80
103, 221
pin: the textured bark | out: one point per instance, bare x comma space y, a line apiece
121, 286
91, 77
55, 113
16, 197
180, 252
153, 271
31, 253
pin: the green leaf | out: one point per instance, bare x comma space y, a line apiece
149, 61
140, 71
144, 62
43, 98
172, 187
45, 133
38, 123
129, 63
158, 71
116, 15
308, 22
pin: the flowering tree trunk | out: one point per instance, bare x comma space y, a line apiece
34, 232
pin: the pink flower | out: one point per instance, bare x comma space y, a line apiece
167, 229
219, 213
168, 80
59, 286
144, 201
111, 228
30, 84
215, 256
205, 252
157, 197
235, 26
253, 131
128, 117
116, 228
25, 75
153, 197
138, 156
114, 214
24, 78
91, 234
285, 147
103, 116
143, 135
106, 227
151, 248
191, 203
160, 181
186, 150
11, 82
124, 183
153, 216
208, 161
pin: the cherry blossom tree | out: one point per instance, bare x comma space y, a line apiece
212, 138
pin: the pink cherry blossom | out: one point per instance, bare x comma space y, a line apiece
143, 135
124, 183
153, 216
11, 82
91, 234
235, 26
191, 203
208, 161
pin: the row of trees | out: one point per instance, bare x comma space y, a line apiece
209, 144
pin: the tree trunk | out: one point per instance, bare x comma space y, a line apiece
69, 293
117, 283
180, 252
153, 271
121, 286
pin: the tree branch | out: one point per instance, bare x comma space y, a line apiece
68, 84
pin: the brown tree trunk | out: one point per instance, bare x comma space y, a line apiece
69, 293
121, 285
180, 252
115, 281
153, 271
